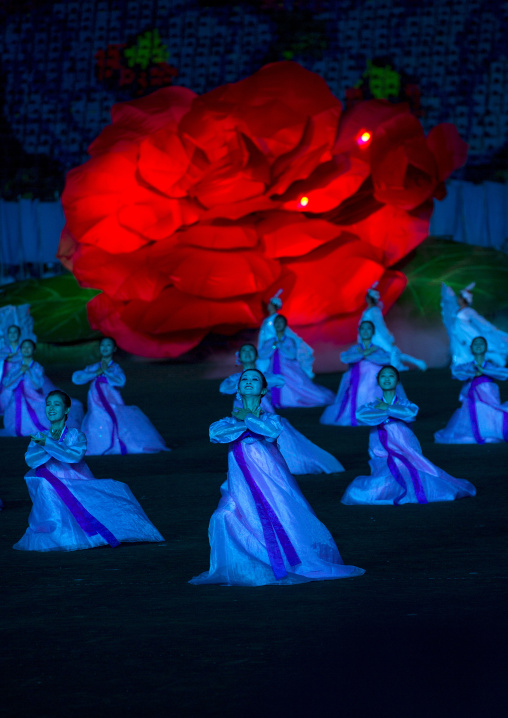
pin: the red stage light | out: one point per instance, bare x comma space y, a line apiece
364, 138
304, 201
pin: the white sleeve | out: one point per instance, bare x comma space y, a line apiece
83, 376
115, 375
226, 430
230, 384
269, 425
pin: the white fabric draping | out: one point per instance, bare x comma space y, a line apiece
473, 214
29, 231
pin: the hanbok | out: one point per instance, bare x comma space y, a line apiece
464, 325
112, 427
304, 353
298, 390
25, 412
7, 368
385, 340
301, 455
71, 509
481, 419
358, 385
400, 474
264, 531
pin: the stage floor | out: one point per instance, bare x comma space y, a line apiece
120, 632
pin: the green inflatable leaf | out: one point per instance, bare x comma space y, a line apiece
58, 306
437, 260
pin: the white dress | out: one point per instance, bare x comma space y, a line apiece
304, 353
110, 425
72, 510
301, 455
482, 418
400, 474
264, 531
464, 325
384, 339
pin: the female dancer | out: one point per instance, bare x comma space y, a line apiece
264, 531
359, 383
384, 338
298, 390
400, 472
463, 324
25, 412
482, 419
301, 455
112, 427
304, 353
71, 509
10, 358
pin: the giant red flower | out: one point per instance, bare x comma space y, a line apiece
193, 210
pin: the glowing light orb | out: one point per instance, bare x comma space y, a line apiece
304, 201
364, 138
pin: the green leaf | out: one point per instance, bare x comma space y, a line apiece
57, 305
437, 260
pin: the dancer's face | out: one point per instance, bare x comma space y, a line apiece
247, 354
478, 346
279, 324
55, 408
27, 350
387, 379
365, 331
107, 348
13, 335
251, 384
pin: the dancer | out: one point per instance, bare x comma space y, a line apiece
359, 383
384, 338
298, 390
112, 427
304, 353
264, 531
463, 324
400, 474
25, 412
10, 358
481, 419
300, 454
71, 509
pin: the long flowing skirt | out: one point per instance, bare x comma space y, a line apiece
303, 456
239, 553
52, 526
299, 390
130, 432
492, 420
396, 483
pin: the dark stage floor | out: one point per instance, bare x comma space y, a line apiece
120, 632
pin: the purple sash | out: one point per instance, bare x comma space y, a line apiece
472, 397
19, 395
270, 523
351, 391
103, 380
394, 469
275, 391
90, 525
